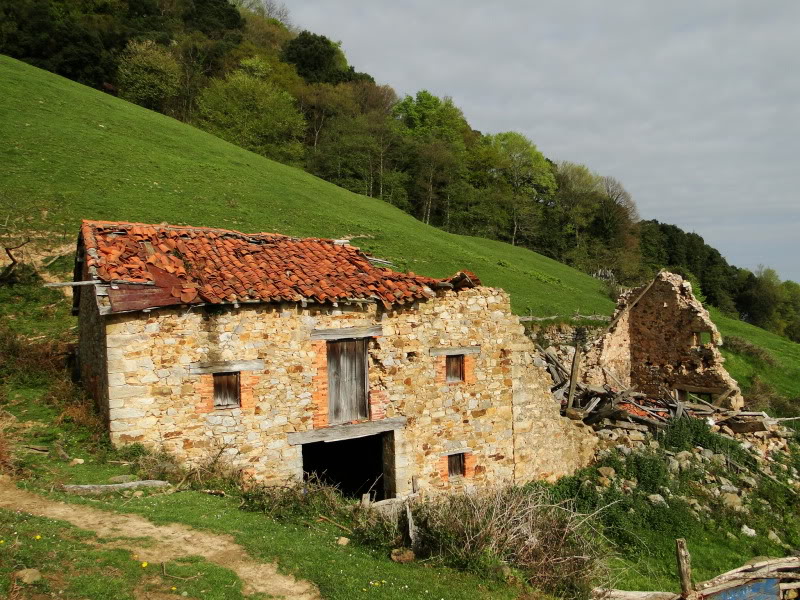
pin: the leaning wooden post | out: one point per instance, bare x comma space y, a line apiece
684, 568
576, 367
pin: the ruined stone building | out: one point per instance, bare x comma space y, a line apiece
300, 355
663, 341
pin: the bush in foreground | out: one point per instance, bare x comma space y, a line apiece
502, 532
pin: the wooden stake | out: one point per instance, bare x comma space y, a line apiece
684, 568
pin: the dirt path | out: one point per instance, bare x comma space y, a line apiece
166, 542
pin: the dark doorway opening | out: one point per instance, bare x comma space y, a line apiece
355, 466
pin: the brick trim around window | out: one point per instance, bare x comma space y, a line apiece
441, 370
319, 383
204, 391
469, 466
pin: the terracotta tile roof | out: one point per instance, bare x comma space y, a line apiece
162, 265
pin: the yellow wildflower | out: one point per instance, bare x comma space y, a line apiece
173, 588
144, 564
37, 537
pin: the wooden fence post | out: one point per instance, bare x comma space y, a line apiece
684, 568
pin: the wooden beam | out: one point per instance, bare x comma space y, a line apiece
457, 451
347, 333
348, 431
723, 396
455, 351
697, 388
227, 366
630, 306
71, 283
573, 378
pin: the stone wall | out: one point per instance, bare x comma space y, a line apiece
665, 341
501, 416
563, 334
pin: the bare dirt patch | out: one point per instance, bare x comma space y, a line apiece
164, 543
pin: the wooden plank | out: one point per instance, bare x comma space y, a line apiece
347, 431
71, 283
723, 396
132, 298
573, 378
227, 366
616, 380
609, 594
347, 380
794, 585
684, 567
747, 426
697, 388
347, 333
455, 351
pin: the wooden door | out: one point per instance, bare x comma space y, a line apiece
347, 380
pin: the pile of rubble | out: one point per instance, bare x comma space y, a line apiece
622, 415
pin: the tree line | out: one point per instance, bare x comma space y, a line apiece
241, 71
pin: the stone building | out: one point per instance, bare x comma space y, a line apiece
663, 341
295, 356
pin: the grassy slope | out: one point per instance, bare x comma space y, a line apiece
76, 564
79, 153
301, 547
785, 376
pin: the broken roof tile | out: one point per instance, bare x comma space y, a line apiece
218, 265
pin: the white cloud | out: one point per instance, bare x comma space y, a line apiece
692, 105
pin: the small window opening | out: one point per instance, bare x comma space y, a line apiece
226, 390
701, 338
455, 465
455, 368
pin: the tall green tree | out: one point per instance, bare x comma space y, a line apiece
249, 111
437, 134
148, 75
527, 174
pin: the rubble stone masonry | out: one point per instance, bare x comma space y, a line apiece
502, 416
665, 341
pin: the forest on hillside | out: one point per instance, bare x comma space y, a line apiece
239, 69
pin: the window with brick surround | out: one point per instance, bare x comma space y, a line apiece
455, 368
227, 390
456, 465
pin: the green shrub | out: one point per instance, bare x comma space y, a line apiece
686, 433
555, 548
307, 499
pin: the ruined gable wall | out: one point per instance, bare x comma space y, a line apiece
656, 345
503, 407
666, 349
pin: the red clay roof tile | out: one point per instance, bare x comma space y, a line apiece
198, 265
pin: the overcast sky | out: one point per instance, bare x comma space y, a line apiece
693, 105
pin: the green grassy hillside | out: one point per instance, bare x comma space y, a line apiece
783, 373
79, 153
